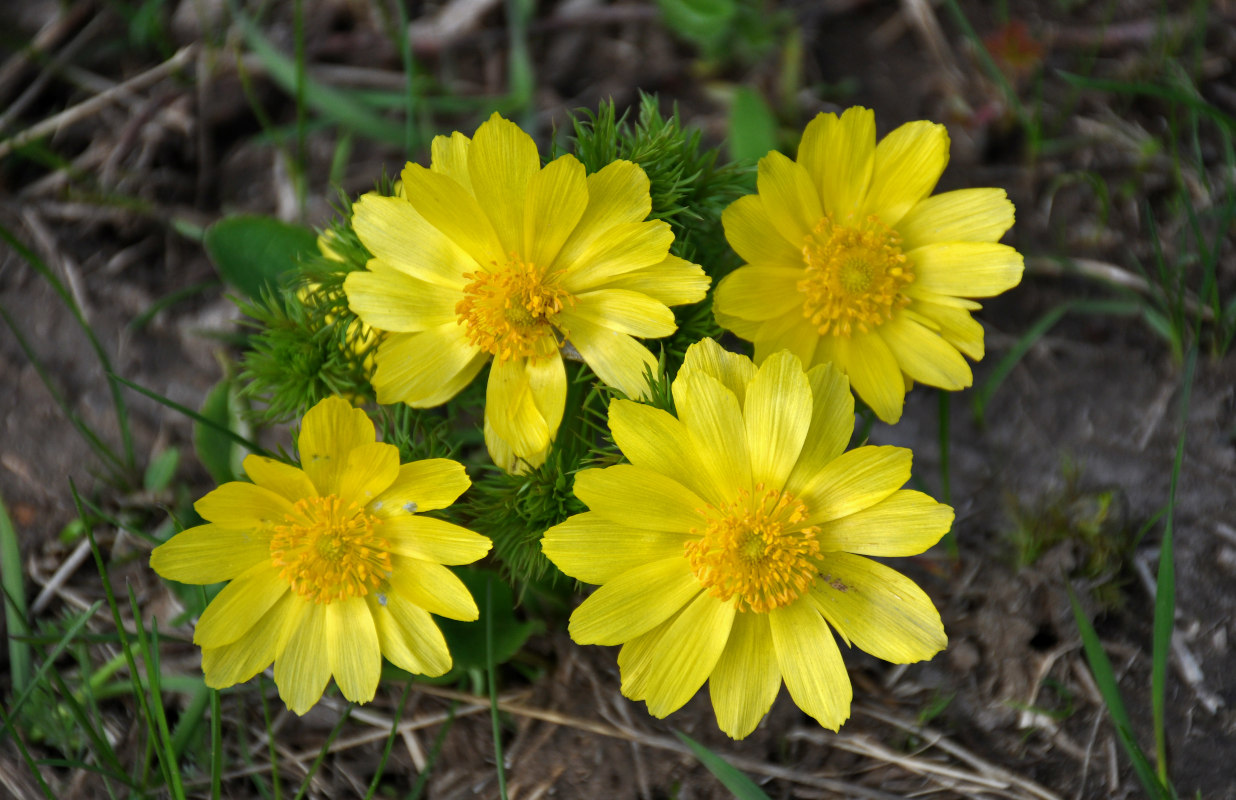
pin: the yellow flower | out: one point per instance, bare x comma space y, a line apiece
849, 261
488, 255
736, 537
330, 565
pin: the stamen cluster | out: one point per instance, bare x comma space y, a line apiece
330, 552
508, 311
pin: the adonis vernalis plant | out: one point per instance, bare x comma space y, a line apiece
850, 262
738, 535
331, 565
486, 257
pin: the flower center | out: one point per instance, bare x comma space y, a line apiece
755, 551
854, 276
328, 552
508, 312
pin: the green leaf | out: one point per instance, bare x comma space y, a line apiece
739, 784
753, 127
217, 451
704, 22
467, 639
161, 470
12, 579
251, 252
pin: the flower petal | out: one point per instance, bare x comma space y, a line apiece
512, 410
621, 249
905, 523
717, 430
966, 269
352, 648
425, 485
674, 281
451, 209
253, 652
924, 355
733, 370
777, 413
908, 163
873, 370
242, 506
401, 238
856, 480
790, 198
620, 310
409, 637
303, 669
432, 539
878, 609
392, 301
617, 194
426, 369
750, 231
760, 292
745, 681
790, 332
811, 663
956, 326
210, 554
370, 470
449, 156
329, 432
838, 154
656, 440
433, 587
639, 497
668, 666
239, 605
617, 359
594, 549
284, 479
964, 215
557, 198
501, 162
634, 602
832, 425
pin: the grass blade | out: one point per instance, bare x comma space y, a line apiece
252, 446
731, 778
493, 686
13, 581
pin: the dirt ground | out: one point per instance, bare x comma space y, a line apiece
1081, 434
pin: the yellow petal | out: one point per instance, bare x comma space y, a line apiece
668, 666
839, 154
239, 606
501, 162
329, 432
832, 424
253, 652
750, 231
425, 485
760, 292
810, 662
284, 479
620, 310
451, 209
742, 328
353, 650
965, 215
966, 269
302, 670
924, 355
639, 497
733, 370
392, 301
449, 156
878, 609
656, 440
717, 430
634, 602
408, 636
433, 540
777, 413
746, 680
239, 505
595, 549
426, 369
400, 237
547, 382
617, 194
791, 332
557, 198
905, 523
621, 249
617, 359
504, 457
433, 587
370, 470
210, 554
674, 281
790, 198
873, 370
856, 480
908, 163
512, 410
956, 326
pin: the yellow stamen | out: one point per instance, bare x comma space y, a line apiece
328, 552
754, 551
854, 276
509, 311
